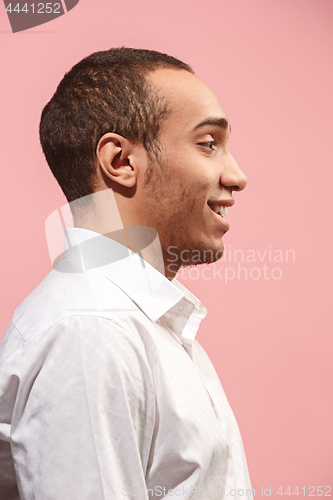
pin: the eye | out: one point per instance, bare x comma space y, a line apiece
209, 145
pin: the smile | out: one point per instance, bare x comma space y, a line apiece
218, 209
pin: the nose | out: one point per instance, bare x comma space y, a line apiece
232, 176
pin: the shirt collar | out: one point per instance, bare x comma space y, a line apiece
155, 295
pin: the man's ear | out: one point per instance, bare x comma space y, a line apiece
114, 154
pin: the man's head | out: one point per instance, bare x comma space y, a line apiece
171, 167
106, 92
197, 172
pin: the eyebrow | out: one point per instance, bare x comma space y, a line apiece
217, 122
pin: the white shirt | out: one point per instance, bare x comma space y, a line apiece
104, 392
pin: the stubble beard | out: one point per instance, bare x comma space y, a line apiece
178, 252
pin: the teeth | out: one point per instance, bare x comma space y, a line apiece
220, 209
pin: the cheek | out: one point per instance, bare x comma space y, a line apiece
187, 181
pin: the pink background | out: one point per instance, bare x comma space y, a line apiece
270, 64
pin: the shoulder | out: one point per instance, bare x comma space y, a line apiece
79, 339
64, 312
69, 295
80, 354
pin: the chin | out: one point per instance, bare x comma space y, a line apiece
201, 253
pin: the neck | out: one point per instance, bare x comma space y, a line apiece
100, 213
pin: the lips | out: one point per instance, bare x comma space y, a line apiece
220, 210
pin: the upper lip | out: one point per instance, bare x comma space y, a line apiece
222, 203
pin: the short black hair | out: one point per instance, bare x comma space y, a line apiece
105, 92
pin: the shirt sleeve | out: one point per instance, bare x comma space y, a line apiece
83, 419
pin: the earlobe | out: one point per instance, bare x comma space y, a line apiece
113, 153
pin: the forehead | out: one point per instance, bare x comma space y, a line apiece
190, 99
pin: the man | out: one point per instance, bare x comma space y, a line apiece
104, 391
